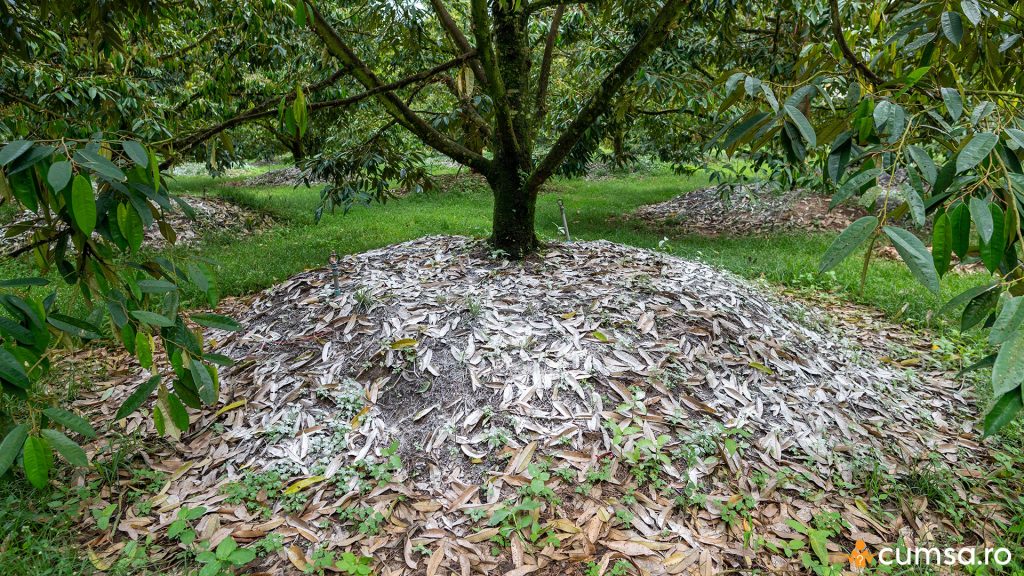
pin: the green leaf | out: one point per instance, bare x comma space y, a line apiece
94, 161
203, 379
960, 219
137, 152
59, 175
992, 250
819, 544
853, 185
67, 448
916, 205
964, 297
152, 318
954, 104
952, 27
1008, 371
12, 371
975, 151
179, 415
972, 10
138, 397
131, 227
156, 286
73, 326
299, 111
844, 245
71, 421
241, 557
83, 205
805, 128
769, 95
226, 547
144, 349
37, 458
1017, 136
13, 150
978, 309
27, 281
1003, 411
985, 362
300, 13
982, 218
924, 163
942, 243
11, 446
216, 321
915, 255
1007, 322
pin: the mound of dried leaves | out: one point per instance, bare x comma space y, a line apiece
205, 215
748, 209
440, 410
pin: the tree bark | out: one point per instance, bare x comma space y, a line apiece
514, 213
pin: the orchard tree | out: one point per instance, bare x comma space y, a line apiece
501, 61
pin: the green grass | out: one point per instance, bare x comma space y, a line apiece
298, 243
37, 532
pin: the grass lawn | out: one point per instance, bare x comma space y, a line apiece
299, 243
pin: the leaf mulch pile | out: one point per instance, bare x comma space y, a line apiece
747, 209
209, 216
290, 176
603, 386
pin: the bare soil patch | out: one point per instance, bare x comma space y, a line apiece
649, 394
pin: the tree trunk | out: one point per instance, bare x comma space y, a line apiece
514, 201
514, 212
618, 147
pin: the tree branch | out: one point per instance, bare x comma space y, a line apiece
495, 85
545, 67
392, 103
837, 33
458, 38
265, 109
655, 35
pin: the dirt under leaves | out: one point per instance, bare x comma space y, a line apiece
652, 408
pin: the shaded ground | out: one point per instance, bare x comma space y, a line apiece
657, 414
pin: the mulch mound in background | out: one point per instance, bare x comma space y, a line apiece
747, 209
631, 400
210, 216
